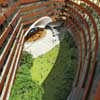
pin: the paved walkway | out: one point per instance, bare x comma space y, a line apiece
43, 45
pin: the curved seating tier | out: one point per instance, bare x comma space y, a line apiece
82, 20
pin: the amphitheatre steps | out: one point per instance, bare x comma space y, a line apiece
76, 94
96, 82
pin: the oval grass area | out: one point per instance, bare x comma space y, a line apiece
48, 77
55, 70
43, 65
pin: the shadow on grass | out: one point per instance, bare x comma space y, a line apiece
57, 85
59, 81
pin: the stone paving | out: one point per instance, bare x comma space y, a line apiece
42, 45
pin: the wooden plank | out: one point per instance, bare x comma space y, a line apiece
26, 9
2, 19
9, 28
28, 1
6, 49
37, 13
9, 77
9, 60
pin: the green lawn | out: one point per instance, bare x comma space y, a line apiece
24, 88
55, 70
43, 65
48, 77
58, 83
